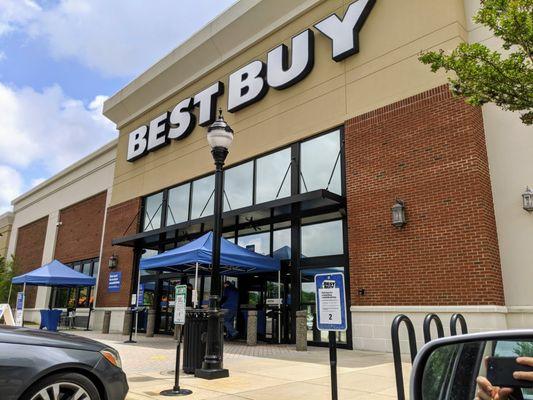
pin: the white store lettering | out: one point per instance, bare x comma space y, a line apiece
251, 82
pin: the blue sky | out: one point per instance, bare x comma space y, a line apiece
60, 59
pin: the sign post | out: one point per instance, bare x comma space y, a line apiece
133, 308
179, 321
331, 316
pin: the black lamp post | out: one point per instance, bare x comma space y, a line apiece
219, 136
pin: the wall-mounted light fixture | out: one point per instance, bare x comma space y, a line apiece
527, 200
113, 261
398, 214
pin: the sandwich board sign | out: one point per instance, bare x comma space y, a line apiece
331, 302
6, 314
180, 304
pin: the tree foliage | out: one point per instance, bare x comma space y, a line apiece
483, 75
6, 274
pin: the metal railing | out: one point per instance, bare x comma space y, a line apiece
395, 336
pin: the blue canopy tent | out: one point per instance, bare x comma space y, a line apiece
54, 274
234, 259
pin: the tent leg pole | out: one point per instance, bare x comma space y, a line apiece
196, 287
9, 296
23, 301
137, 305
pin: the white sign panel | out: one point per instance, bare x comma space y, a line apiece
331, 302
180, 305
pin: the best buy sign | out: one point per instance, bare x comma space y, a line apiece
251, 83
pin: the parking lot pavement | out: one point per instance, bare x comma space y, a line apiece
260, 372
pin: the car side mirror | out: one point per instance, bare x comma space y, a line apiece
499, 364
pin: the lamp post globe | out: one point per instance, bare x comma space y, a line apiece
219, 133
219, 137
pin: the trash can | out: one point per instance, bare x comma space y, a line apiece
195, 337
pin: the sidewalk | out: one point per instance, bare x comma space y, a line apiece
274, 372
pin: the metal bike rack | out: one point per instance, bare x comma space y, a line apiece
395, 330
453, 324
427, 327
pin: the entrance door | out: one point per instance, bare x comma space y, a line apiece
271, 299
166, 305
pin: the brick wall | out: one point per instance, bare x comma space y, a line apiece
119, 217
80, 234
29, 252
428, 150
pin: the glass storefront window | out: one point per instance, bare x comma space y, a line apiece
77, 297
308, 303
86, 268
258, 242
282, 244
324, 239
320, 162
96, 266
202, 197
152, 212
238, 186
207, 290
178, 204
273, 175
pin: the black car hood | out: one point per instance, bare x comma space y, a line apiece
35, 337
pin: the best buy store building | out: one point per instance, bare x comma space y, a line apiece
335, 121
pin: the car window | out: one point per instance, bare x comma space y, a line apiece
510, 348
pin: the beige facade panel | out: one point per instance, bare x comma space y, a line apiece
6, 223
385, 70
509, 149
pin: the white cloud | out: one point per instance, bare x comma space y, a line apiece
45, 130
49, 128
14, 14
36, 182
11, 185
121, 37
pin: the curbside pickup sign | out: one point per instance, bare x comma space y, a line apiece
331, 302
180, 304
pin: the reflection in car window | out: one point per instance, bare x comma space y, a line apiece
511, 348
451, 372
437, 372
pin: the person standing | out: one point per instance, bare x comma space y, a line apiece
230, 303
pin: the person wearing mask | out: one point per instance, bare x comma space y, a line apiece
230, 304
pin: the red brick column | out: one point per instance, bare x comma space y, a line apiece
428, 150
119, 217
29, 253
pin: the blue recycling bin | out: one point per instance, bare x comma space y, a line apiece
50, 319
44, 319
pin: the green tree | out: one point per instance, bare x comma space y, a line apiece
6, 274
482, 75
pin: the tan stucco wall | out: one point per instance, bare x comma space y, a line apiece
509, 148
385, 70
6, 222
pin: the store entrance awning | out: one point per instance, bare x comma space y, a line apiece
311, 203
234, 259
